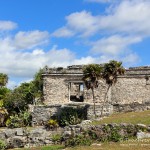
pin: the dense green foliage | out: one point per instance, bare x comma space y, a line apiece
57, 138
19, 120
3, 79
78, 140
111, 70
91, 73
2, 145
51, 124
16, 101
71, 116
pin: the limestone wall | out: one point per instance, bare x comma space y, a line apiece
99, 93
132, 87
130, 90
55, 90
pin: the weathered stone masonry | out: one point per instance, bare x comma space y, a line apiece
64, 85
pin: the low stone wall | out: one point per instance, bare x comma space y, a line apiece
28, 137
41, 114
100, 110
131, 107
39, 136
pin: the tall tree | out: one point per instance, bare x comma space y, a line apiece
110, 72
3, 79
91, 74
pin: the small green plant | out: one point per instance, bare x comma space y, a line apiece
14, 122
1, 103
3, 145
19, 120
71, 116
78, 140
57, 138
115, 136
51, 124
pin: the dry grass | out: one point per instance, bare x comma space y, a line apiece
128, 145
130, 117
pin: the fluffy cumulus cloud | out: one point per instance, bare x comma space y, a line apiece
63, 32
113, 45
21, 55
7, 25
128, 17
124, 23
107, 36
28, 40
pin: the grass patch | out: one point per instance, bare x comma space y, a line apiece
51, 147
127, 145
129, 117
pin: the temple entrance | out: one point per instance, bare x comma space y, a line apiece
76, 91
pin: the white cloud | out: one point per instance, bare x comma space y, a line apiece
125, 22
127, 17
82, 23
63, 32
131, 59
7, 25
28, 40
113, 45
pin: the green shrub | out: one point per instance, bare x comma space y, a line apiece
106, 133
2, 145
115, 135
51, 124
1, 103
78, 140
14, 122
71, 116
57, 138
19, 120
26, 118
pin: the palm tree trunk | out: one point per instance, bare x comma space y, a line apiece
105, 99
94, 102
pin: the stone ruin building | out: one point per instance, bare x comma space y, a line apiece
64, 86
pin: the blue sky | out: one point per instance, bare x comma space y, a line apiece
35, 33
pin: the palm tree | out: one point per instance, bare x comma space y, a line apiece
91, 73
110, 72
3, 79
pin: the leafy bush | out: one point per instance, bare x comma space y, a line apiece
51, 124
21, 120
4, 115
115, 135
106, 133
71, 116
57, 138
78, 140
14, 122
2, 145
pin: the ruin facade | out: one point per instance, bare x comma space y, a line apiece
65, 85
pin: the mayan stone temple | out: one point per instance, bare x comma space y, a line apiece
64, 86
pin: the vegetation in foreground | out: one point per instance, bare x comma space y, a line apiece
128, 145
143, 144
129, 117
